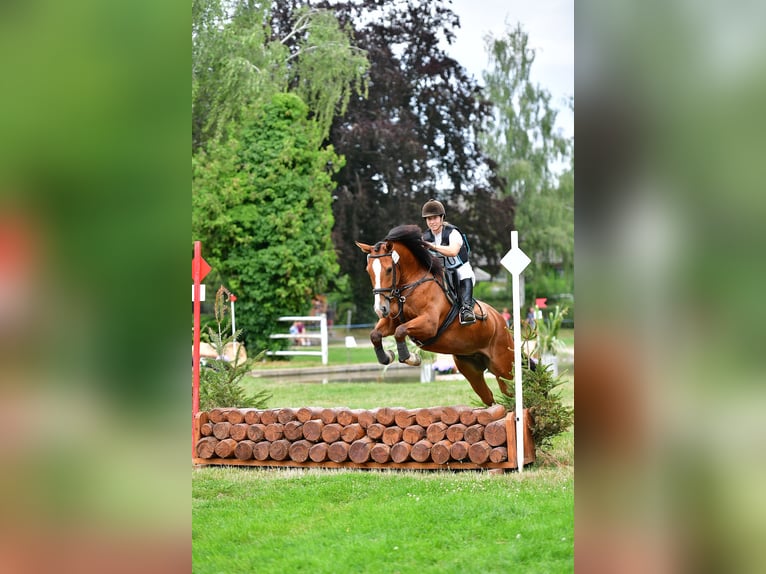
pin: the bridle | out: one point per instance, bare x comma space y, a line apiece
397, 292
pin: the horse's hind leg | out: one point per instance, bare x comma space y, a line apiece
473, 370
503, 371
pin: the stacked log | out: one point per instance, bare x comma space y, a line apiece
428, 436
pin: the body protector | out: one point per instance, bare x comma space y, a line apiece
462, 256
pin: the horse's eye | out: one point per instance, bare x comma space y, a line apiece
388, 271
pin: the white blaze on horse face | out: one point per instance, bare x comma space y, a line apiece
376, 268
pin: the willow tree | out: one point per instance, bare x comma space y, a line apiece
239, 60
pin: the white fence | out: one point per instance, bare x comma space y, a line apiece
322, 336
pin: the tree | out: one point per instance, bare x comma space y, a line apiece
412, 138
239, 61
262, 206
520, 137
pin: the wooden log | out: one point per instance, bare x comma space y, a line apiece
235, 416
494, 432
348, 417
436, 431
440, 451
365, 418
221, 430
498, 454
413, 434
428, 416
238, 431
380, 453
255, 432
451, 415
489, 414
478, 452
299, 450
421, 450
307, 413
279, 449
206, 447
529, 444
312, 430
400, 452
252, 416
293, 430
351, 432
404, 418
329, 416
269, 417
206, 429
286, 415
318, 452
225, 448
375, 431
244, 450
387, 415
474, 434
217, 415
468, 417
392, 435
274, 432
331, 433
338, 451
261, 450
459, 450
359, 451
455, 432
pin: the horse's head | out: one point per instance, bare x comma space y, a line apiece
382, 259
399, 258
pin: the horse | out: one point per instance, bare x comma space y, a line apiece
411, 300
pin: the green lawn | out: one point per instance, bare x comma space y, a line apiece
331, 521
350, 521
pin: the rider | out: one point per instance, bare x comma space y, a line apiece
447, 240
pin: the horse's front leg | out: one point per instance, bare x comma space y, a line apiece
421, 328
383, 328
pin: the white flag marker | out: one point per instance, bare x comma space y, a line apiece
515, 261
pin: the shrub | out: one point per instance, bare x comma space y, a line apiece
219, 378
549, 416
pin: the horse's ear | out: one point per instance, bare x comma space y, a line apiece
364, 247
389, 246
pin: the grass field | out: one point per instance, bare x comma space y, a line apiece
352, 521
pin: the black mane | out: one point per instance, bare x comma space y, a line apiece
411, 237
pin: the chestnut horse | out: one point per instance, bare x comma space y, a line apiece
410, 299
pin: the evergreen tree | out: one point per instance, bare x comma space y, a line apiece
262, 207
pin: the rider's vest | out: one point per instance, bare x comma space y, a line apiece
461, 257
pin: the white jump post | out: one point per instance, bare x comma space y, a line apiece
516, 261
322, 336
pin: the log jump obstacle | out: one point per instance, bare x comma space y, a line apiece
322, 336
434, 438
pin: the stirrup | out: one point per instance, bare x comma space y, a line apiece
467, 317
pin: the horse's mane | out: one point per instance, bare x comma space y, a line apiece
411, 237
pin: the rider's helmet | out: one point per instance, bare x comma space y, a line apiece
432, 207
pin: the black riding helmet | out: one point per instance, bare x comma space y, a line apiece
432, 207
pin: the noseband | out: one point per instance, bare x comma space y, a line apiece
396, 292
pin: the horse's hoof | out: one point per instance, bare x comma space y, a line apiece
413, 361
391, 357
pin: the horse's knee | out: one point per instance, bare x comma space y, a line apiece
376, 338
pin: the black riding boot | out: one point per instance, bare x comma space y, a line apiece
466, 300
